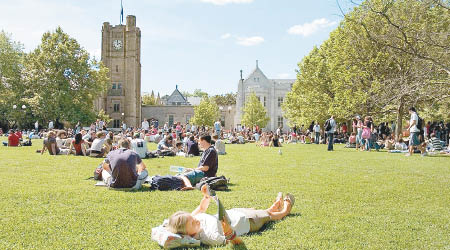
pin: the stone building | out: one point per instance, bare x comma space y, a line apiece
121, 53
271, 93
178, 108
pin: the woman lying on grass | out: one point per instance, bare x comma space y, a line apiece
231, 223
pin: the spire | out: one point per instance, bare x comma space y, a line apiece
176, 86
241, 74
256, 63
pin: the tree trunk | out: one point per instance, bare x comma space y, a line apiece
398, 125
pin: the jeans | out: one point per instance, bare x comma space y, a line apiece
316, 138
330, 141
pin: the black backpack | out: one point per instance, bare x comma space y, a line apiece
420, 123
328, 125
215, 183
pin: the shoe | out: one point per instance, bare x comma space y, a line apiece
209, 191
290, 198
424, 154
408, 154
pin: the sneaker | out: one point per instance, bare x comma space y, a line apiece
408, 154
424, 154
290, 198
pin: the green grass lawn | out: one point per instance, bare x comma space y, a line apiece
344, 199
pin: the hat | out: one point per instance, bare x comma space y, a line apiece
358, 117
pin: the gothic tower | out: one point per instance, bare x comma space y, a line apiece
121, 53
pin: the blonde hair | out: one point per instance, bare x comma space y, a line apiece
178, 221
100, 134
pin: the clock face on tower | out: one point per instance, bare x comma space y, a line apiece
117, 44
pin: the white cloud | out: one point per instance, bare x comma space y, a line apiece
250, 41
283, 76
225, 36
308, 29
223, 2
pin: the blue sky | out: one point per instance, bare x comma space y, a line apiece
197, 44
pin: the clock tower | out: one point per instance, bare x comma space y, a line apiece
121, 54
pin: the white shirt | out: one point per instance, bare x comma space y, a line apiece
414, 117
124, 126
212, 231
97, 144
220, 146
50, 125
145, 125
140, 147
316, 128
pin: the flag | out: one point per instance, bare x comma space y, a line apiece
121, 12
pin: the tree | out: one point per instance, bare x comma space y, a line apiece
62, 80
103, 116
199, 93
206, 113
148, 100
11, 86
254, 113
225, 100
375, 64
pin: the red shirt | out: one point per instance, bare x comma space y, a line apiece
13, 140
19, 134
78, 147
344, 128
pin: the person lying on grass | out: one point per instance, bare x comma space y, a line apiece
231, 223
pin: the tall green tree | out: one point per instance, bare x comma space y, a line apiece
206, 113
62, 79
11, 86
148, 99
254, 114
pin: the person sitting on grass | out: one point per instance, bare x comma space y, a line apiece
13, 140
78, 146
434, 143
389, 143
227, 225
165, 144
123, 168
139, 146
192, 147
50, 145
219, 145
275, 142
97, 150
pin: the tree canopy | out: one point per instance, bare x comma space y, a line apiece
206, 113
383, 57
254, 114
62, 81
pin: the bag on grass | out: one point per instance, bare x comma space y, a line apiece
215, 183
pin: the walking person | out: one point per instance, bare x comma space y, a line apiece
330, 128
414, 131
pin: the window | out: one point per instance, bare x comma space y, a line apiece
292, 85
188, 118
259, 98
117, 68
116, 107
119, 86
265, 101
116, 124
254, 79
113, 86
178, 103
280, 121
222, 120
170, 120
280, 101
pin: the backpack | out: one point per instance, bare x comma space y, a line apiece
215, 183
328, 125
419, 123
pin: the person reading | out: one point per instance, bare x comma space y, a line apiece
227, 225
